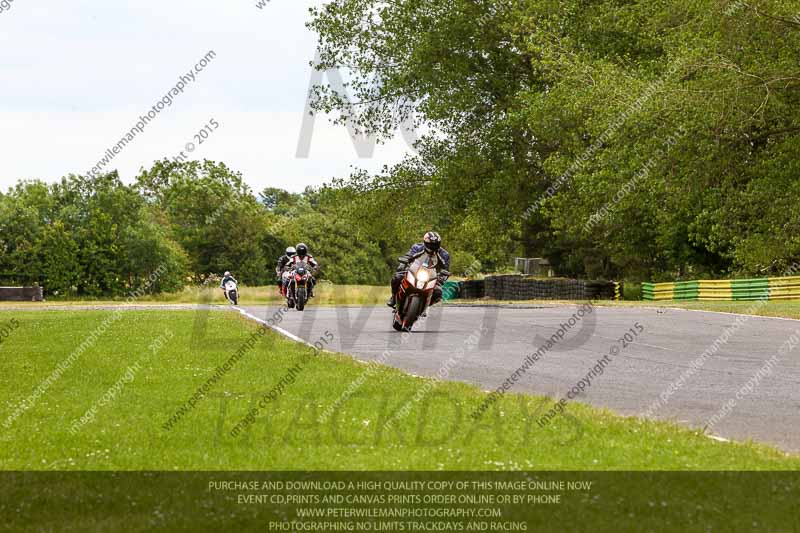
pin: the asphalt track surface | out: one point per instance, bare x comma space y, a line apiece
652, 376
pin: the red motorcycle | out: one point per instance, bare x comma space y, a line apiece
416, 291
300, 281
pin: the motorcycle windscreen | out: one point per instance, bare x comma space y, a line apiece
424, 272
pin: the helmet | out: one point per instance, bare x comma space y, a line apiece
302, 250
227, 273
290, 251
432, 241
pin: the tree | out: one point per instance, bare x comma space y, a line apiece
542, 113
214, 216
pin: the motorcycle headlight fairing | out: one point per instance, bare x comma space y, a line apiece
410, 278
422, 275
431, 284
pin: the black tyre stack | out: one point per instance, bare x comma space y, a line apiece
517, 287
490, 288
473, 289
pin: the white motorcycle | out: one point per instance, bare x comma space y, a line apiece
232, 292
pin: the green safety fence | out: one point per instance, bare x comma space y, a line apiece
787, 288
451, 290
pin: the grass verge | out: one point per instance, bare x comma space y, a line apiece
324, 294
775, 308
167, 360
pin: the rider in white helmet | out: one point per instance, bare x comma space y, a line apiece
281, 268
227, 277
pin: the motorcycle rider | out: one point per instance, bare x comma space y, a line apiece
280, 268
226, 278
431, 244
303, 256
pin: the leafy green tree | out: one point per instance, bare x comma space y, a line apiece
59, 256
541, 113
214, 216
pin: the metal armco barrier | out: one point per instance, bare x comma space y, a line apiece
787, 288
21, 294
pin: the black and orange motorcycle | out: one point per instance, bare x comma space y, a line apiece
416, 291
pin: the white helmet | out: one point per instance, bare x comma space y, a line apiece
227, 273
291, 251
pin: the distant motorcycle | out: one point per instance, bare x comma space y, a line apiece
232, 292
299, 283
416, 291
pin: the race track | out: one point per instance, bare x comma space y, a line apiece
661, 373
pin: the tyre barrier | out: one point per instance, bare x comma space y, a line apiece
787, 288
517, 287
473, 289
21, 294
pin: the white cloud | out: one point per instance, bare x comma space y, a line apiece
75, 76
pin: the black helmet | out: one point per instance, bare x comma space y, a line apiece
432, 241
302, 250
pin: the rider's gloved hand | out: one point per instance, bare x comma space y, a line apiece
403, 262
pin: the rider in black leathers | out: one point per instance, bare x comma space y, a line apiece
305, 257
280, 267
431, 243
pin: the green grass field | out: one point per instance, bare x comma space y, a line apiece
324, 294
776, 308
328, 294
147, 364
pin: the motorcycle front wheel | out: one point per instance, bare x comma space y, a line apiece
290, 292
414, 309
301, 298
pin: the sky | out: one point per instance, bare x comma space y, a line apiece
76, 76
